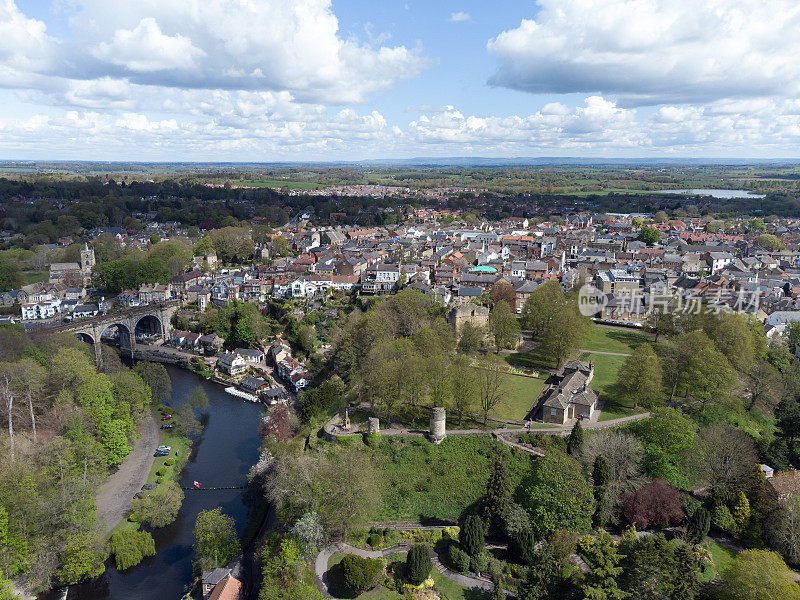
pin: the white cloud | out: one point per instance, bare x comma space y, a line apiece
25, 47
145, 48
291, 45
654, 51
460, 17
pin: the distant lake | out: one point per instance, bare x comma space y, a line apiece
715, 193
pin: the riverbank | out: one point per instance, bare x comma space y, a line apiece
114, 498
220, 457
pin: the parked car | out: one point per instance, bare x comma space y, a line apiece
168, 426
149, 486
166, 418
161, 453
167, 448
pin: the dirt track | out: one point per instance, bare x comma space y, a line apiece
115, 495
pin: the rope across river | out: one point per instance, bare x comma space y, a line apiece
207, 489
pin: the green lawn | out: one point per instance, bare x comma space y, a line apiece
180, 445
519, 394
29, 277
533, 359
421, 480
605, 339
721, 557
605, 378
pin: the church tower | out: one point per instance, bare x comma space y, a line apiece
87, 258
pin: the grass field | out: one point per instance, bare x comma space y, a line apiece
273, 183
29, 277
421, 480
519, 395
533, 359
605, 339
721, 557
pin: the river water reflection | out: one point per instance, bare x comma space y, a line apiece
222, 456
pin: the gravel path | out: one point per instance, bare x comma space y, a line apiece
604, 353
116, 494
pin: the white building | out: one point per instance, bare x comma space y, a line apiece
40, 310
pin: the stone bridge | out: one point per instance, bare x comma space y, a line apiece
151, 320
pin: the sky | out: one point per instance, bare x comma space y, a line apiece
349, 80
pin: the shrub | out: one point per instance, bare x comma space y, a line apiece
657, 504
699, 524
418, 564
130, 546
479, 563
373, 440
451, 532
375, 540
722, 519
159, 480
161, 472
458, 559
473, 536
169, 462
523, 546
361, 573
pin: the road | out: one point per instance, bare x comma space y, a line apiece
116, 494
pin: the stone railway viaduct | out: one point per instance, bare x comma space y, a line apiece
153, 319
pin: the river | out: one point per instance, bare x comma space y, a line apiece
222, 456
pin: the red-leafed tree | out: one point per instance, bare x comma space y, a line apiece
658, 504
276, 423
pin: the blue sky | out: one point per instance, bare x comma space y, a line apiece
262, 80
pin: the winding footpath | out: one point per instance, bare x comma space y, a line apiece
321, 566
115, 496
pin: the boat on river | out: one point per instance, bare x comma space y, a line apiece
240, 394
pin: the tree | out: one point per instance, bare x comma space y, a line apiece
557, 495
79, 561
115, 442
540, 307
471, 338
729, 458
741, 512
699, 524
759, 575
463, 386
160, 507
668, 438
309, 532
10, 277
654, 568
787, 415
650, 235
770, 242
660, 217
793, 334
657, 504
575, 440
499, 492
601, 555
418, 564
601, 477
640, 377
661, 322
503, 291
490, 386
215, 538
636, 222
360, 574
504, 326
564, 333
156, 378
130, 547
473, 536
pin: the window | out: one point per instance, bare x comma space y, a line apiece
553, 412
